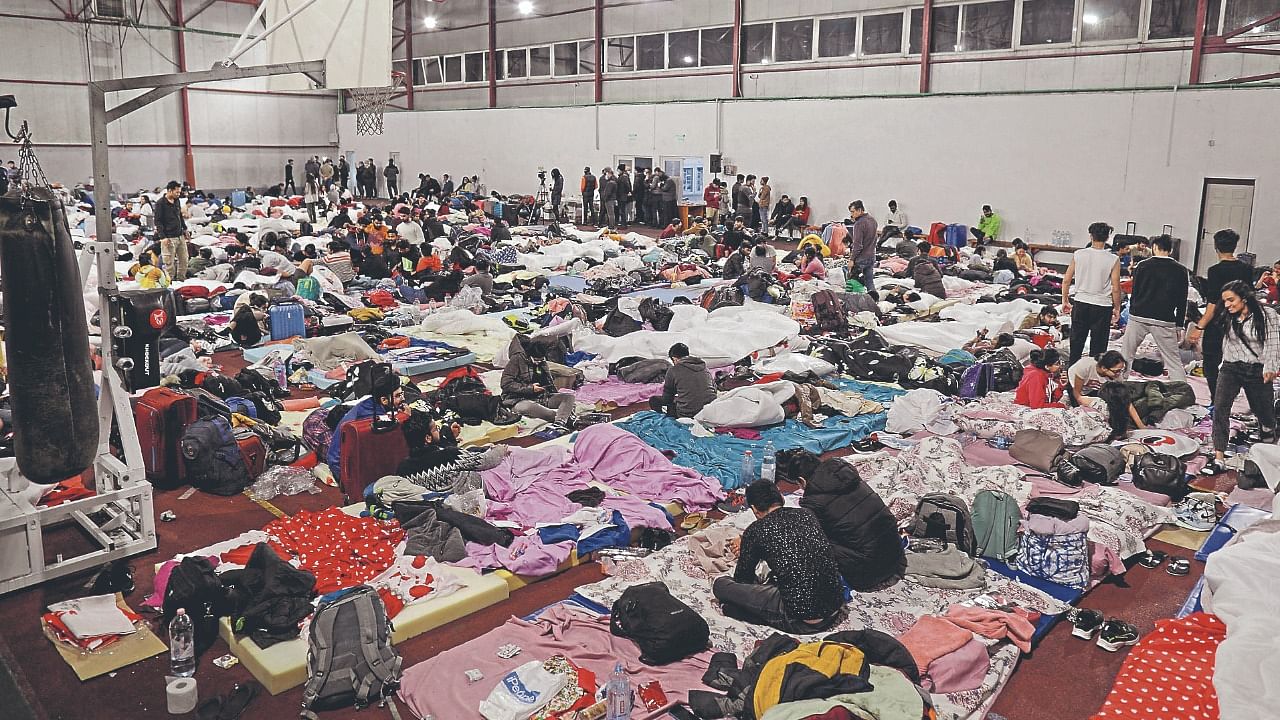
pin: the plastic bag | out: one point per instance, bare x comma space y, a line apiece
522, 692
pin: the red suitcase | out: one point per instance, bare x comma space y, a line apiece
162, 416
367, 456
254, 451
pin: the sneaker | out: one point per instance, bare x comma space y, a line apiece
1117, 634
1197, 512
1087, 622
1213, 467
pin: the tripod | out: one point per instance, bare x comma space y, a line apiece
540, 200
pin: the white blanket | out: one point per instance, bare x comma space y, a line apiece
719, 338
967, 320
1240, 582
750, 406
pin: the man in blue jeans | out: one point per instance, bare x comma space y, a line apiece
862, 245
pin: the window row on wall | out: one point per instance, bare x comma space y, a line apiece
965, 27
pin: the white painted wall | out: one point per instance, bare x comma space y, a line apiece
240, 139
1046, 162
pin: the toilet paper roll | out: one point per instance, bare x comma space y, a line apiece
181, 695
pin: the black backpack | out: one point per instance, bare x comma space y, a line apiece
213, 459
722, 296
619, 323
468, 396
945, 517
665, 629
829, 312
877, 365
1097, 464
194, 587
657, 314
1160, 473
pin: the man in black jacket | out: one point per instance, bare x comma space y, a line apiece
528, 388
288, 177
623, 196
1158, 306
172, 231
687, 387
608, 198
588, 188
862, 531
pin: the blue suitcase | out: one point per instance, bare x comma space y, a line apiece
287, 320
956, 236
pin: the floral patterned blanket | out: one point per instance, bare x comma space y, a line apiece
997, 415
894, 610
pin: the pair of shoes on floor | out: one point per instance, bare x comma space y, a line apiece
1178, 566
735, 502
1213, 467
1113, 634
230, 706
1197, 511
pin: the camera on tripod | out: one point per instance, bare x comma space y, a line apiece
542, 176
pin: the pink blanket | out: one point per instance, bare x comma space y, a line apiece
994, 624
614, 390
931, 638
623, 461
439, 687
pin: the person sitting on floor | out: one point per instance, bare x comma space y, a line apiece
249, 323
483, 280
1087, 375
811, 265
1046, 318
147, 274
527, 386
1002, 261
1039, 387
862, 531
1022, 260
386, 396
763, 257
736, 265
924, 270
687, 388
437, 463
803, 593
201, 262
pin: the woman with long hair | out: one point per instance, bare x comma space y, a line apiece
557, 192
1250, 362
1039, 387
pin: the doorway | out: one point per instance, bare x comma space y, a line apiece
1225, 203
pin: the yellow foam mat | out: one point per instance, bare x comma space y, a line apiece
515, 582
284, 666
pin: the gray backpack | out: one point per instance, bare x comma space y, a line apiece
995, 524
945, 517
350, 660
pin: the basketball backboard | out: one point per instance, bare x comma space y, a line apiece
352, 36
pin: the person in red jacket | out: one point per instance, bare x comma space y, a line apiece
1040, 387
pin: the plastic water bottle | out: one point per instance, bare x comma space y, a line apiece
747, 474
618, 695
769, 463
182, 645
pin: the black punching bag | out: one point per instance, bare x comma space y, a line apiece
55, 409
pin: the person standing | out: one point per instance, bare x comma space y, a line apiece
669, 194
344, 174
764, 202
862, 246
1250, 362
653, 199
735, 196
557, 192
1095, 272
711, 198
1158, 306
172, 231
608, 198
288, 177
373, 178
747, 201
1207, 331
392, 174
588, 189
988, 226
624, 196
640, 191
312, 168
326, 173
359, 178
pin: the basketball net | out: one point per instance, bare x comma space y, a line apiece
371, 103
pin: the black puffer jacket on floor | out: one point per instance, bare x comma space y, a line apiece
861, 529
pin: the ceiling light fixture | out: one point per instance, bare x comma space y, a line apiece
526, 7
688, 59
1090, 19
429, 22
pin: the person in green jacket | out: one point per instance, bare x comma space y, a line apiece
988, 226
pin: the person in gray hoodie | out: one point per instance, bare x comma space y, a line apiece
688, 387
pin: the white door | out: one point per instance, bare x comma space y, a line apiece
1226, 205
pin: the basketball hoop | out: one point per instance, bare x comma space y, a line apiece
371, 103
